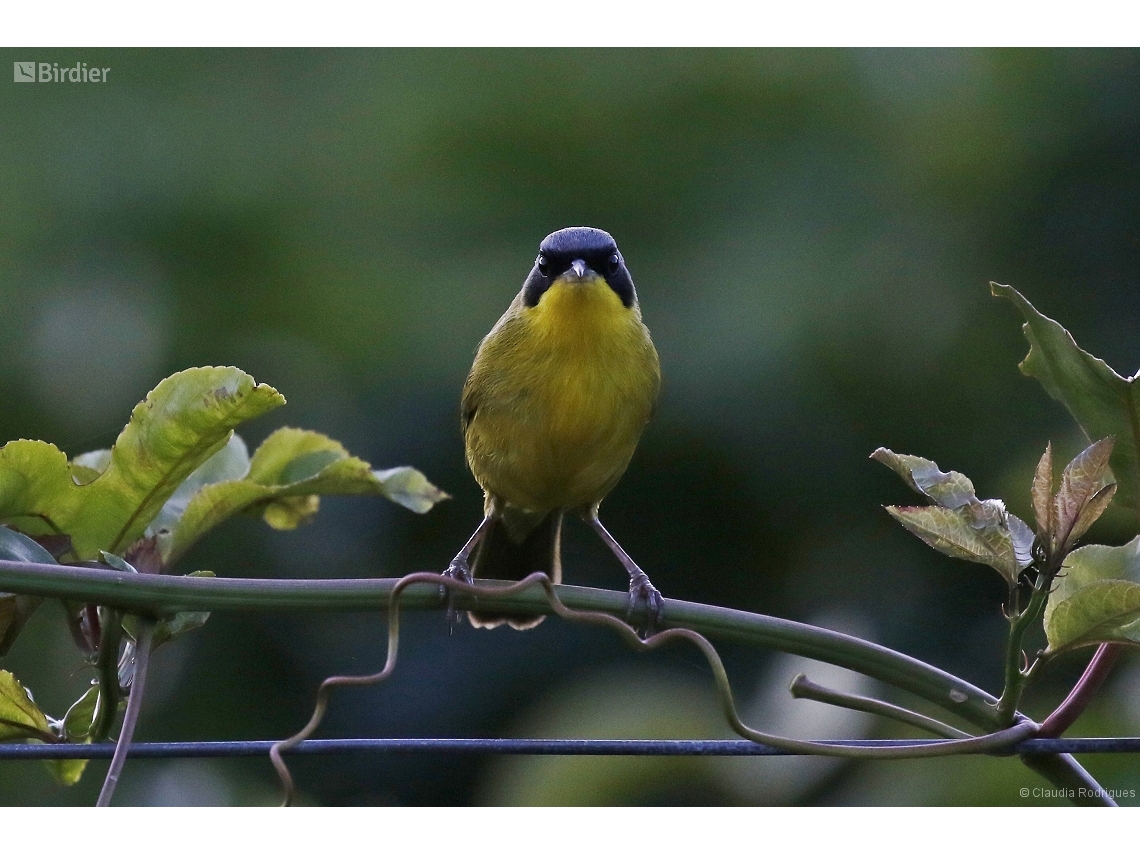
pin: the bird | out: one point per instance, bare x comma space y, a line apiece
557, 398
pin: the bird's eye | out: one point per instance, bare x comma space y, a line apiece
543, 265
613, 264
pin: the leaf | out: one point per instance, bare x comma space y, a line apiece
1091, 512
15, 609
15, 546
287, 475
179, 624
1096, 598
948, 489
88, 466
1102, 402
1043, 493
974, 533
960, 524
408, 487
183, 422
77, 724
115, 562
1023, 538
1083, 479
80, 716
172, 627
67, 772
20, 718
229, 463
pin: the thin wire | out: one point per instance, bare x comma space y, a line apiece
570, 747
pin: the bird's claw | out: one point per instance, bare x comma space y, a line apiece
459, 570
640, 588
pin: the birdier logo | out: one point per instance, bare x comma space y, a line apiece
51, 72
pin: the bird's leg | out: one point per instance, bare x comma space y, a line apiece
639, 585
460, 566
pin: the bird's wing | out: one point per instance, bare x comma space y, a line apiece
469, 403
481, 369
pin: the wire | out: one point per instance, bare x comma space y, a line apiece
581, 747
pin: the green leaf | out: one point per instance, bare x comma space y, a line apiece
80, 716
76, 727
20, 718
286, 477
172, 627
1102, 402
115, 562
408, 487
979, 533
1096, 598
15, 609
948, 489
960, 524
183, 422
88, 466
67, 772
230, 463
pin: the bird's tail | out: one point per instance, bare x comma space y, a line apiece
500, 557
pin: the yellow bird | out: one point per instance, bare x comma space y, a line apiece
559, 393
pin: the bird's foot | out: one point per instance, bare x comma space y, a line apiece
640, 588
459, 570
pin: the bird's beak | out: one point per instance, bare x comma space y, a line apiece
579, 268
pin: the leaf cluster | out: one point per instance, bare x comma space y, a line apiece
1093, 592
176, 471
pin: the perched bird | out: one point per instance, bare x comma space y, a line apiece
557, 398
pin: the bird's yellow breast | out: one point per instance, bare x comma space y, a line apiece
558, 397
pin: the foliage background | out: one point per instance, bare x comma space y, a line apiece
811, 233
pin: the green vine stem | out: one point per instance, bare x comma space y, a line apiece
1020, 623
160, 596
131, 716
107, 669
802, 687
991, 742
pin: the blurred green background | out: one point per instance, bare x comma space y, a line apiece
811, 234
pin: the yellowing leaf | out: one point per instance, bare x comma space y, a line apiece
286, 476
80, 716
77, 725
183, 422
67, 772
20, 718
229, 463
